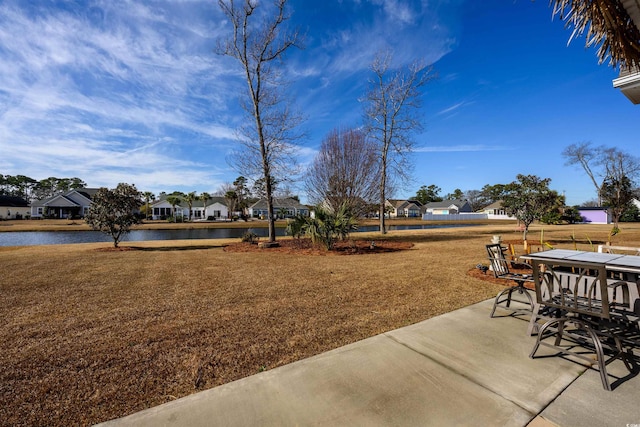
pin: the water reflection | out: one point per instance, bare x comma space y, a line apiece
29, 238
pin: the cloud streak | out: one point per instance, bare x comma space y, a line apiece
82, 86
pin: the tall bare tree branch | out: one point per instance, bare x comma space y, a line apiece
391, 118
260, 47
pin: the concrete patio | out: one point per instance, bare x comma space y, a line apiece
459, 369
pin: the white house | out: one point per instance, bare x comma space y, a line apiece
448, 207
403, 208
12, 207
496, 211
216, 209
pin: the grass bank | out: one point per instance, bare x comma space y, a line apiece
91, 334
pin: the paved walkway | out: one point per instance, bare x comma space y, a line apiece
458, 369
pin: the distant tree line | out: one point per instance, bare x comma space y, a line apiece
31, 189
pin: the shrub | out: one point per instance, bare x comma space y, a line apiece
250, 237
572, 215
296, 226
327, 227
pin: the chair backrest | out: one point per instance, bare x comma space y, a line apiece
618, 250
574, 287
624, 295
499, 264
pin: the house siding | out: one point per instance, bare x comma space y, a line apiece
162, 210
67, 205
287, 208
595, 216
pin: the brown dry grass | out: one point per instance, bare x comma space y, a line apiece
91, 334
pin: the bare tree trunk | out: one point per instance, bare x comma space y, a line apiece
255, 47
272, 220
383, 202
391, 117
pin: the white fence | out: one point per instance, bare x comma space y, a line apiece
455, 217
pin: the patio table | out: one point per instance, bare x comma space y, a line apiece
596, 293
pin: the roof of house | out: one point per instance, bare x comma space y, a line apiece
278, 203
196, 203
446, 203
592, 208
495, 205
13, 201
67, 198
399, 203
87, 192
409, 204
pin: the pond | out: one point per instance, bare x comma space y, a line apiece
29, 238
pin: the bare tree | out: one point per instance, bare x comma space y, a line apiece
391, 118
474, 197
621, 170
260, 47
603, 164
619, 165
344, 172
586, 156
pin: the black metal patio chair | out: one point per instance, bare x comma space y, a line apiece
501, 270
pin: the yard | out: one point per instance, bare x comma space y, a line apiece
90, 334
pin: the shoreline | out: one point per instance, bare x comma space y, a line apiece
79, 225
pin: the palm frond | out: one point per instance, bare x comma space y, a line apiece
605, 23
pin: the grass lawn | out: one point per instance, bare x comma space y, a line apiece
91, 334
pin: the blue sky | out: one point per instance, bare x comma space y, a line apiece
131, 91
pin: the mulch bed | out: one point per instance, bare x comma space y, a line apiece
307, 247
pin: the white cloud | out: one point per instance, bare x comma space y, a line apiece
453, 108
93, 87
412, 30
